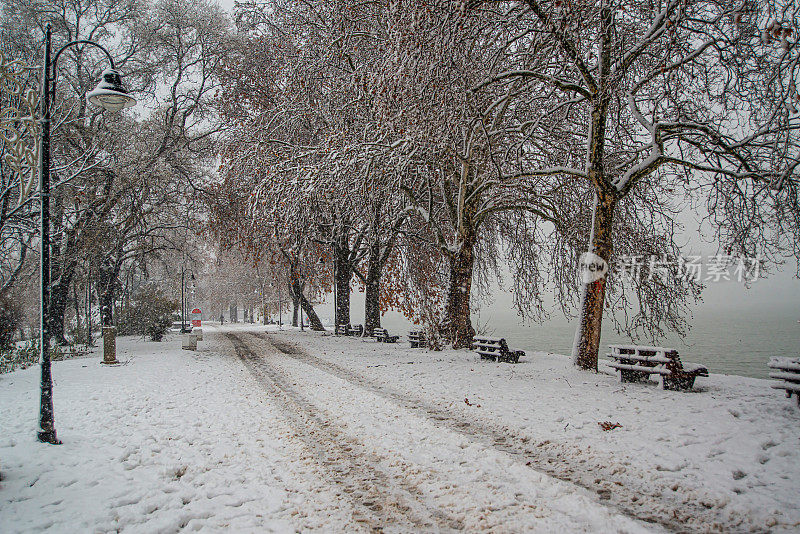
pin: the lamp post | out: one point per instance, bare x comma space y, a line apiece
335, 296
183, 308
184, 299
280, 310
300, 277
190, 299
263, 309
111, 95
335, 308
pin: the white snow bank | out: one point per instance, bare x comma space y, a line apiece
172, 439
179, 439
732, 445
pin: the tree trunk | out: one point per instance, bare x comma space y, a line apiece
234, 314
372, 311
107, 278
591, 321
89, 310
311, 315
76, 305
107, 306
62, 267
295, 311
344, 274
457, 323
59, 295
300, 300
588, 335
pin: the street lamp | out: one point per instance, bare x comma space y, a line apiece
335, 306
263, 304
276, 285
111, 95
300, 277
184, 303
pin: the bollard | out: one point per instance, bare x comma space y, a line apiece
110, 345
189, 342
198, 332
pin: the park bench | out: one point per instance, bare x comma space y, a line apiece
382, 336
787, 370
342, 330
495, 349
417, 339
357, 330
636, 363
349, 330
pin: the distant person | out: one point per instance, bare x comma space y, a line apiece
221, 319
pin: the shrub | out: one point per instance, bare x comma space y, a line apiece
10, 318
28, 356
148, 313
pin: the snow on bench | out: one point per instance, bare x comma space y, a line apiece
788, 372
491, 349
382, 336
342, 330
637, 362
417, 339
348, 330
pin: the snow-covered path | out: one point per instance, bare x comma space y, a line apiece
248, 441
288, 431
479, 439
423, 474
172, 440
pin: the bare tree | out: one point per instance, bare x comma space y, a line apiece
105, 167
448, 133
19, 134
646, 100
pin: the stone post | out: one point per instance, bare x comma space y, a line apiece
110, 345
189, 342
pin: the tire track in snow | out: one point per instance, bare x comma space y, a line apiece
613, 484
380, 500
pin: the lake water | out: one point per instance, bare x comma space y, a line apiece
728, 342
737, 340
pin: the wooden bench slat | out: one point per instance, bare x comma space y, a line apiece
495, 349
786, 376
635, 366
417, 339
785, 364
656, 359
690, 367
382, 336
641, 347
788, 386
647, 359
628, 367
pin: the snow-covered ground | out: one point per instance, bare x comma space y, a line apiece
299, 431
